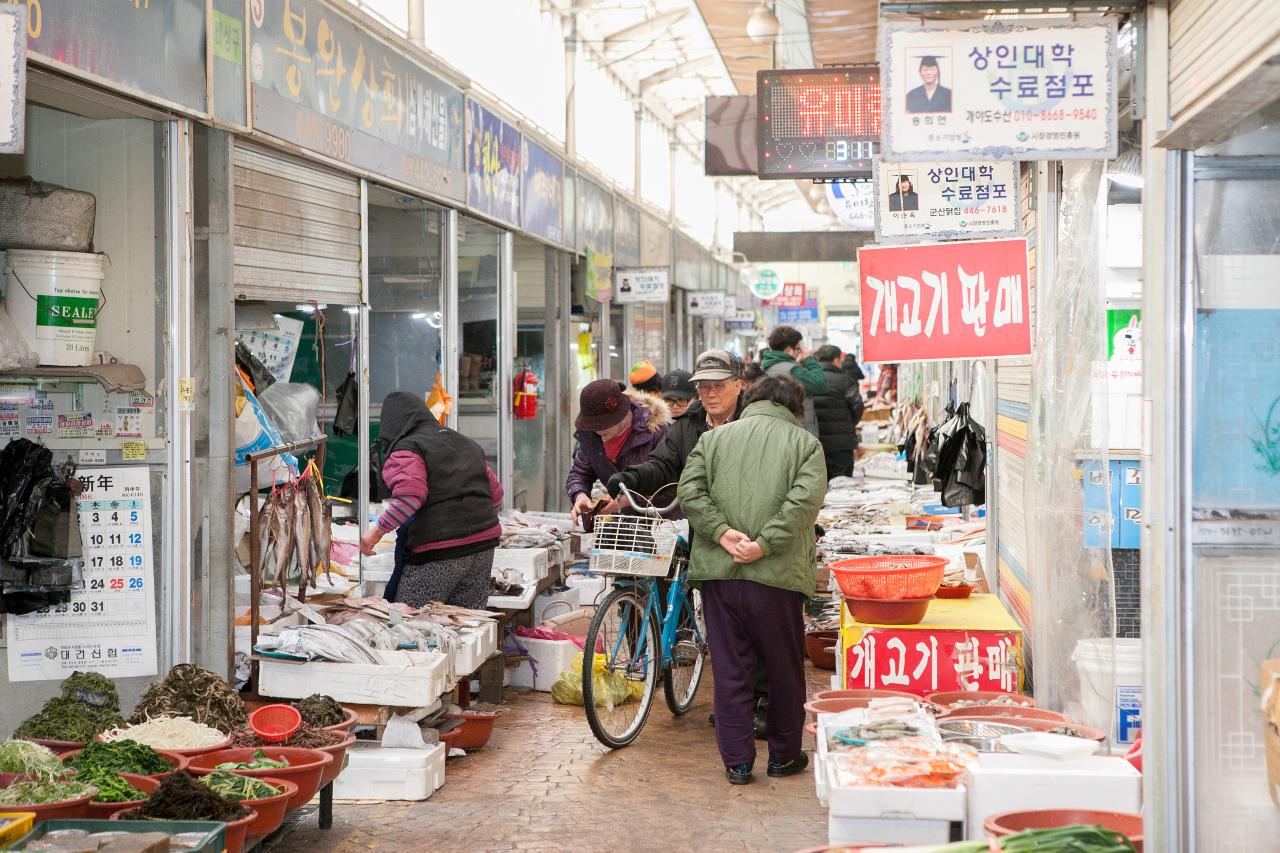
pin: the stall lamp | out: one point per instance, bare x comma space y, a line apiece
1126, 170
763, 26
352, 310
418, 315
309, 308
436, 320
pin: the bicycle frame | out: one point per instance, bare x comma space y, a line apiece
670, 618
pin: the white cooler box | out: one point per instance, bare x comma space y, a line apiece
549, 658
591, 588
533, 564
477, 645
892, 815
555, 603
375, 773
406, 685
1011, 783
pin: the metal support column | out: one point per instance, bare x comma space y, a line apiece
362, 372
506, 365
451, 328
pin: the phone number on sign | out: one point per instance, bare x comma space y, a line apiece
1055, 115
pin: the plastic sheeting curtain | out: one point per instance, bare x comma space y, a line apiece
1072, 585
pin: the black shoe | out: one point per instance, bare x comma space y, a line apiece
711, 719
778, 769
761, 724
740, 775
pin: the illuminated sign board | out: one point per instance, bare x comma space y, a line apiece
817, 123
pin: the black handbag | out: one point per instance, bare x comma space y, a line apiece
345, 416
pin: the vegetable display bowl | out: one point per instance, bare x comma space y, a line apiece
347, 724
306, 767
978, 697
339, 753
56, 746
877, 611
476, 729
1002, 712
816, 644
862, 693
271, 810
890, 577
74, 809
233, 841
189, 753
103, 811
1129, 825
177, 762
963, 591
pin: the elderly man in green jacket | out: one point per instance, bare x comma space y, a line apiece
751, 491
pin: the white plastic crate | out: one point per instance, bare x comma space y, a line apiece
533, 564
410, 685
550, 658
376, 773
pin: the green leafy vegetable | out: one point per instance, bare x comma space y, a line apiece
43, 792
68, 720
235, 787
121, 756
112, 787
23, 756
261, 761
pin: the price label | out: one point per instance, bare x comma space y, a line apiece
133, 451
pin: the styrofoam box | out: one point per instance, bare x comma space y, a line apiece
855, 830
554, 602
377, 773
532, 563
942, 804
1001, 782
476, 647
591, 588
413, 685
513, 602
552, 657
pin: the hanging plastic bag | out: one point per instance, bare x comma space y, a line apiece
609, 688
259, 376
962, 461
293, 408
14, 352
255, 433
438, 401
346, 407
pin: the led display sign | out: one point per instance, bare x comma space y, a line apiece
817, 123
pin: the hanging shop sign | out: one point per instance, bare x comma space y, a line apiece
999, 90
325, 84
595, 216
493, 165
924, 662
704, 303
945, 301
655, 242
626, 233
154, 49
853, 203
228, 69
641, 284
791, 295
817, 123
766, 284
13, 78
599, 267
109, 626
942, 201
541, 192
742, 320
806, 313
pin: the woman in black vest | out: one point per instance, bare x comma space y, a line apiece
444, 508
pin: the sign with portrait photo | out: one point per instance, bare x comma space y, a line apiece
632, 285
936, 201
999, 90
704, 303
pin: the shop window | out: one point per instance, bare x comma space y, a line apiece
479, 255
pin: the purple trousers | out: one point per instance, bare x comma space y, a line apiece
747, 622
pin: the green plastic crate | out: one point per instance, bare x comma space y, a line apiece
213, 842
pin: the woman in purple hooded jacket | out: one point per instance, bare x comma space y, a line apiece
615, 430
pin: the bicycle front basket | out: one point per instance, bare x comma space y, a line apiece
633, 545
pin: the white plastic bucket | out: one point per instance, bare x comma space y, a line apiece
1111, 686
53, 298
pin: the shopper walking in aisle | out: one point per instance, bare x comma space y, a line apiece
678, 391
444, 508
645, 378
787, 357
838, 412
752, 492
615, 428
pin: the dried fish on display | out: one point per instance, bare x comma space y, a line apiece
295, 524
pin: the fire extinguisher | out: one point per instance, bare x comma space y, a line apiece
526, 394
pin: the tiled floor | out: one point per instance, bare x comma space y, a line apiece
544, 783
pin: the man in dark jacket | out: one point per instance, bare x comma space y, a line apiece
838, 412
786, 356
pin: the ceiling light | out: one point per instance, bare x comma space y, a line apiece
763, 26
1126, 170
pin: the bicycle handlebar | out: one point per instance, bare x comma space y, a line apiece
651, 510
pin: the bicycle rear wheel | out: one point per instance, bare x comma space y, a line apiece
618, 696
688, 655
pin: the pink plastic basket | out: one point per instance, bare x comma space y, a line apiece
889, 577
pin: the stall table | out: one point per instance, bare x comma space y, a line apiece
962, 644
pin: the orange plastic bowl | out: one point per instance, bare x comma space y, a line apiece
275, 723
347, 724
1002, 711
1127, 824
339, 753
271, 810
145, 784
950, 697
861, 693
306, 766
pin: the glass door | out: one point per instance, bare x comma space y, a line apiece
480, 288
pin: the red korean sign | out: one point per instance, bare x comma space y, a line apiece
923, 662
945, 301
792, 296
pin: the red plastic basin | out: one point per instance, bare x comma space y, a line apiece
339, 753
145, 784
58, 747
306, 766
271, 810
347, 724
70, 809
816, 644
861, 693
875, 611
1003, 711
176, 762
476, 729
1008, 823
950, 697
890, 577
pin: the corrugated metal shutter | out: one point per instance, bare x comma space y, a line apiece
1208, 42
297, 230
1013, 401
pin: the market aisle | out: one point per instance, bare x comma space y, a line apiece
544, 783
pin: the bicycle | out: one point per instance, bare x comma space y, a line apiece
635, 639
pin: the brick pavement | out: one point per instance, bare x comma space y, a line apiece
545, 783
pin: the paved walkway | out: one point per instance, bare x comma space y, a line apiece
544, 783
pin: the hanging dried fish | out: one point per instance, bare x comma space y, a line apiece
283, 523
302, 540
320, 521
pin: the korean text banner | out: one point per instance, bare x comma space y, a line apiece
322, 83
542, 193
999, 91
935, 201
945, 301
705, 303
493, 165
640, 284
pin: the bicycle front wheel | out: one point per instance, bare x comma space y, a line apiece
688, 654
620, 667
